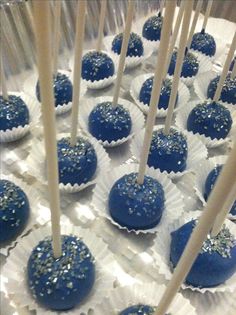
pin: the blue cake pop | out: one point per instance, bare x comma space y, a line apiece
97, 66
228, 93
204, 43
135, 46
61, 284
108, 123
210, 182
136, 206
190, 65
216, 262
210, 119
62, 89
78, 163
14, 210
168, 152
146, 91
139, 309
13, 113
152, 28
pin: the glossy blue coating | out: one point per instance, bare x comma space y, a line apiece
135, 46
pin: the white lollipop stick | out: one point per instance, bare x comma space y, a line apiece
207, 14
225, 69
220, 219
174, 36
44, 57
162, 4
56, 30
156, 89
101, 24
178, 66
226, 180
124, 47
194, 23
2, 72
79, 38
233, 73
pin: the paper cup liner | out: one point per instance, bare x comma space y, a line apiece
29, 87
145, 293
202, 171
196, 151
173, 198
35, 165
181, 122
98, 84
15, 270
130, 62
87, 106
136, 85
17, 133
39, 213
201, 86
161, 248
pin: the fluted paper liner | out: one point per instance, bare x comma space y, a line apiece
145, 293
29, 87
173, 198
17, 133
161, 250
136, 85
196, 151
181, 122
137, 118
15, 270
39, 214
130, 62
35, 164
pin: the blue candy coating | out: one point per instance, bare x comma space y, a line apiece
190, 65
78, 163
14, 210
168, 152
204, 43
210, 182
146, 91
108, 123
228, 93
62, 89
210, 119
210, 268
97, 66
135, 46
136, 206
62, 283
13, 113
139, 309
152, 28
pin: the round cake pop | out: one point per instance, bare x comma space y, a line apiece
146, 91
168, 152
78, 163
190, 65
136, 206
210, 182
139, 309
216, 262
152, 28
135, 46
228, 93
61, 283
97, 66
108, 123
13, 113
62, 89
210, 119
204, 43
14, 210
